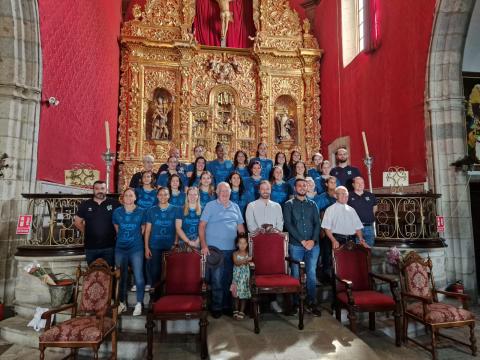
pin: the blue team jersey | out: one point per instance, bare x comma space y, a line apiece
162, 179
291, 184
129, 236
267, 166
244, 173
316, 199
253, 186
313, 173
220, 170
320, 185
189, 223
241, 201
162, 235
145, 198
196, 182
177, 200
324, 201
280, 192
189, 167
205, 197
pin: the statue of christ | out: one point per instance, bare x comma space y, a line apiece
226, 17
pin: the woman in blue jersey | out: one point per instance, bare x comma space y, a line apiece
280, 188
128, 221
188, 219
146, 194
206, 188
162, 179
316, 171
199, 166
177, 196
239, 195
320, 183
299, 172
240, 164
159, 234
281, 160
261, 157
295, 157
220, 167
253, 182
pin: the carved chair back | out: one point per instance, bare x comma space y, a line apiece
183, 271
416, 276
268, 251
352, 262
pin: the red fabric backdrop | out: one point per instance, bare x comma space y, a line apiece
81, 68
382, 92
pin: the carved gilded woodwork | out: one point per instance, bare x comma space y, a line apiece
176, 93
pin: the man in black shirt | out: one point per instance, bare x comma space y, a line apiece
94, 219
344, 172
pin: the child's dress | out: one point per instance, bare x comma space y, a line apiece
241, 280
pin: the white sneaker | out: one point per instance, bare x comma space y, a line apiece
148, 288
122, 307
138, 310
275, 306
134, 288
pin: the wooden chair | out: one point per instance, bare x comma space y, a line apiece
354, 288
94, 317
420, 303
269, 271
183, 295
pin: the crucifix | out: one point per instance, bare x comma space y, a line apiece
226, 16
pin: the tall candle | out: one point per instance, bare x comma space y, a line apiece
107, 134
365, 145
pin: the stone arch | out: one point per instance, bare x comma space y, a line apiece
446, 141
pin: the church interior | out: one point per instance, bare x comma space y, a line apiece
89, 88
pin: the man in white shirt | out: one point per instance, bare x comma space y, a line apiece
264, 211
341, 222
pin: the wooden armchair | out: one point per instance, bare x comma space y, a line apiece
94, 317
181, 295
354, 288
420, 303
269, 271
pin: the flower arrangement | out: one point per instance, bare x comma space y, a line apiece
393, 256
38, 271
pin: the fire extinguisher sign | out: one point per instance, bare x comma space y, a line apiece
440, 224
24, 224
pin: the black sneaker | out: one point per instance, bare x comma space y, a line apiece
313, 309
292, 312
216, 314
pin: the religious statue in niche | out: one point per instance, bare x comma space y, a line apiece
245, 128
200, 125
226, 16
159, 116
225, 112
223, 70
284, 126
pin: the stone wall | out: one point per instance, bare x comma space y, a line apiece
20, 94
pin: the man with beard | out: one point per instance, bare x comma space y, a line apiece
94, 219
344, 172
302, 221
264, 211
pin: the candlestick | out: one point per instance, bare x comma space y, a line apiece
107, 134
108, 157
365, 145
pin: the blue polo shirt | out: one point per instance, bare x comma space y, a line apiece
363, 205
129, 236
345, 175
205, 197
162, 179
242, 201
222, 222
177, 200
189, 223
244, 173
145, 198
162, 235
280, 192
220, 170
253, 186
320, 184
267, 166
324, 201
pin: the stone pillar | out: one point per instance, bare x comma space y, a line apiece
20, 82
446, 139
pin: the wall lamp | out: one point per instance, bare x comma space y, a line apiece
3, 164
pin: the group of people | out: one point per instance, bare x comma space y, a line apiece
211, 205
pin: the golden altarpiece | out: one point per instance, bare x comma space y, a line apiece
177, 93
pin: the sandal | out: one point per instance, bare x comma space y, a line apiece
235, 314
240, 315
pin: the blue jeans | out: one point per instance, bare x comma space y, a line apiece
154, 267
220, 279
107, 254
369, 235
310, 257
122, 259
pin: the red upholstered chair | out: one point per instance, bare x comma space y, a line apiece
354, 288
94, 318
420, 303
183, 295
269, 270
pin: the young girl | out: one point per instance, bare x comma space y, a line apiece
187, 220
320, 183
240, 287
254, 181
220, 167
240, 161
128, 221
239, 194
266, 163
207, 190
177, 196
199, 167
316, 171
146, 194
295, 157
281, 160
162, 179
299, 172
280, 188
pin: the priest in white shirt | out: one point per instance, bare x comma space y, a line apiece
264, 211
341, 221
